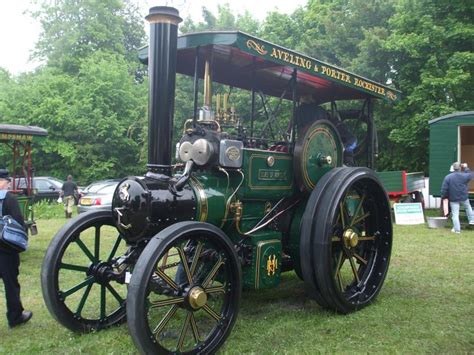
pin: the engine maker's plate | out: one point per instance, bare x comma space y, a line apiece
318, 149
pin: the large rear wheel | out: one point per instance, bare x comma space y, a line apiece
185, 291
352, 239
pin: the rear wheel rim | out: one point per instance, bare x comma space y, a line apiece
359, 244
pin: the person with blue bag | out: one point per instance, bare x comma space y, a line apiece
9, 257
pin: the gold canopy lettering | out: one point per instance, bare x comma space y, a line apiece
369, 86
291, 58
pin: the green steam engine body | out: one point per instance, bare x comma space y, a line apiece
246, 200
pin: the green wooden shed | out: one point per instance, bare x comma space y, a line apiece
451, 139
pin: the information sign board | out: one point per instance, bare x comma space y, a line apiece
408, 213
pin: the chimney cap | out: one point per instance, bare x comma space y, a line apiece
163, 14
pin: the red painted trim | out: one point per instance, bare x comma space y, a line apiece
396, 193
404, 181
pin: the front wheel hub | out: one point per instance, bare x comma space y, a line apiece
101, 272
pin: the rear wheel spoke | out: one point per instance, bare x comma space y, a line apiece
159, 328
197, 254
360, 218
217, 289
359, 206
339, 264
184, 262
184, 330
360, 258
195, 329
354, 269
213, 272
341, 212
212, 313
167, 279
166, 302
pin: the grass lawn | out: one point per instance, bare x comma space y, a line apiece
426, 305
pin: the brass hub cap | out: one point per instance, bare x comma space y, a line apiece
197, 297
351, 238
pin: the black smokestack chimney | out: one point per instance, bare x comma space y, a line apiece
162, 76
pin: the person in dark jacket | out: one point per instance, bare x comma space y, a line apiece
455, 189
68, 191
10, 260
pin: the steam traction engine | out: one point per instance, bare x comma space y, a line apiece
239, 209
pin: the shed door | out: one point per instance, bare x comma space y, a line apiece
466, 143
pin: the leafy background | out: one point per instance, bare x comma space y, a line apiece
91, 92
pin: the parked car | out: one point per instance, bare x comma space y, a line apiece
97, 196
44, 187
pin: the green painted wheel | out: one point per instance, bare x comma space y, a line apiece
185, 292
76, 274
352, 239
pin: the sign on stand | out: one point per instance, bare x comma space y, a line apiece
408, 213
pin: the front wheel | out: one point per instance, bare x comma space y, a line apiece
78, 274
185, 291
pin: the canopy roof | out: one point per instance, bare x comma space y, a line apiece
243, 61
20, 133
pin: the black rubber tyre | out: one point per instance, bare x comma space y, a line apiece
352, 231
75, 294
185, 291
307, 240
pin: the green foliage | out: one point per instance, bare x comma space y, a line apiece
87, 95
431, 55
73, 30
94, 118
44, 210
225, 20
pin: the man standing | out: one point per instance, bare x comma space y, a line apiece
455, 189
10, 260
67, 193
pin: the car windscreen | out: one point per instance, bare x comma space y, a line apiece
108, 189
94, 187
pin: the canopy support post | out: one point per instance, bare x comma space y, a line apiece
370, 134
196, 86
293, 119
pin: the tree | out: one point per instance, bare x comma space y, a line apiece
431, 55
74, 29
224, 21
94, 119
